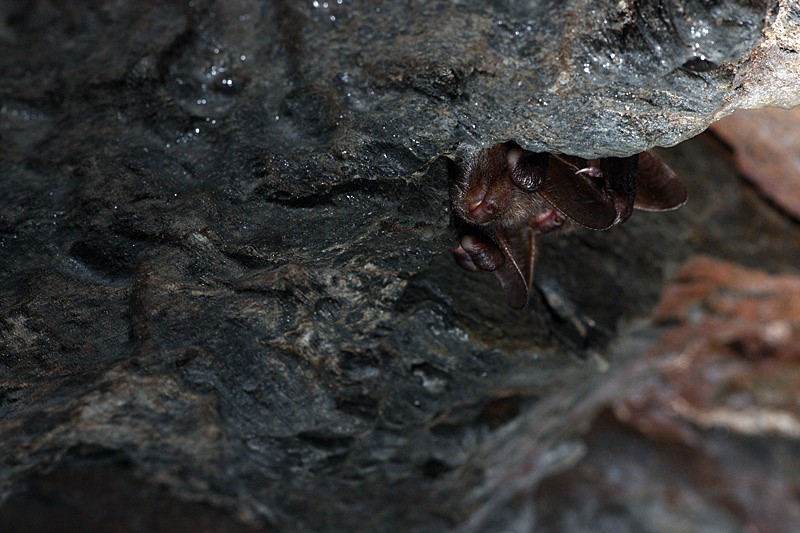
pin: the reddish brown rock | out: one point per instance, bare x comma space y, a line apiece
766, 146
731, 359
704, 430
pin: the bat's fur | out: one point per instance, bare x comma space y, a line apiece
503, 197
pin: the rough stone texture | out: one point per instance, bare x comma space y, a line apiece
632, 482
223, 235
732, 357
705, 431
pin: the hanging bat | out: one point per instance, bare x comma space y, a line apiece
504, 197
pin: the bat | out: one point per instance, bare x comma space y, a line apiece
504, 197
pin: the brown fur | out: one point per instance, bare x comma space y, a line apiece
487, 173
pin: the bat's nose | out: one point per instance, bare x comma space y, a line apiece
482, 208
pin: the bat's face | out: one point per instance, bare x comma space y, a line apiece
484, 194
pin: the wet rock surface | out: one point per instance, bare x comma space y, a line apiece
224, 276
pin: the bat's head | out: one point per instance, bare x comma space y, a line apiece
482, 191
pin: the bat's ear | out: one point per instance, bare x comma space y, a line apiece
528, 169
514, 288
477, 252
483, 253
620, 177
577, 196
657, 186
516, 272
